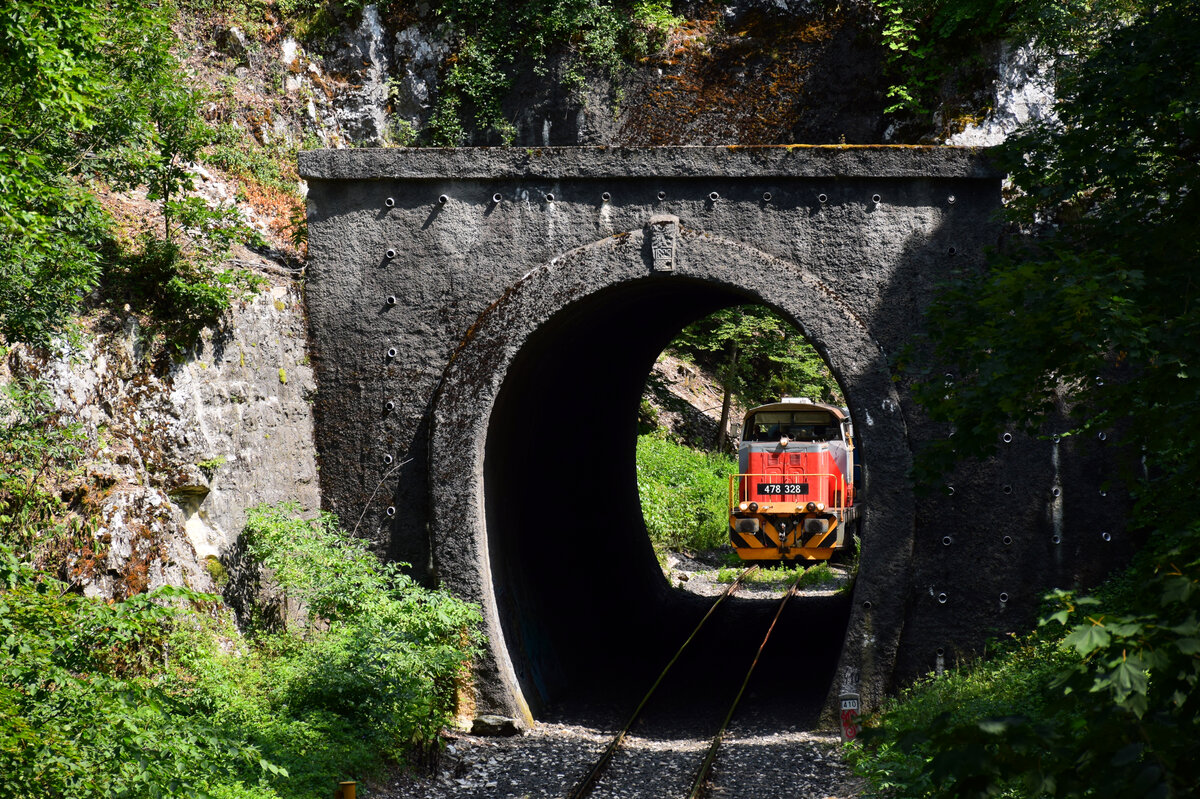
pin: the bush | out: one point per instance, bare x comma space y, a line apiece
38, 450
83, 710
371, 630
1100, 703
684, 493
896, 756
160, 695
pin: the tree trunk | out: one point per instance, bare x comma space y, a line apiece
726, 401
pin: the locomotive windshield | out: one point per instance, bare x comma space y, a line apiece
809, 425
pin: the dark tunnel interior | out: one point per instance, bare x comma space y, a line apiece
586, 612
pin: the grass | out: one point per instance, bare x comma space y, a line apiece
684, 494
783, 576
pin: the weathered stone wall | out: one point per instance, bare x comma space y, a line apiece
484, 321
177, 448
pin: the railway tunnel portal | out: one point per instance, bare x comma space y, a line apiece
483, 324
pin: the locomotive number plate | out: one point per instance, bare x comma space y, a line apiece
783, 489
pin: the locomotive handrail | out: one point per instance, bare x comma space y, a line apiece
736, 481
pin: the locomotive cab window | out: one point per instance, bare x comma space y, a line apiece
796, 425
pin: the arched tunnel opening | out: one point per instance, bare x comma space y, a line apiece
586, 612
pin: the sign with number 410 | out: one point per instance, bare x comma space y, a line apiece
849, 717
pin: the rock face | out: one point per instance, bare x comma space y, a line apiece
1024, 92
418, 56
363, 60
754, 72
680, 398
178, 449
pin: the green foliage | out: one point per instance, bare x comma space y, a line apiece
402, 133
387, 638
1103, 703
494, 33
782, 576
647, 418
179, 295
1097, 316
684, 493
1092, 313
49, 228
927, 40
91, 90
159, 695
758, 355
895, 753
83, 711
210, 465
37, 452
238, 154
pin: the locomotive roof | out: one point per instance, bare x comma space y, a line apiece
791, 404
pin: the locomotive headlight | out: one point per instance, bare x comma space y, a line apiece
811, 507
820, 507
753, 508
783, 441
744, 507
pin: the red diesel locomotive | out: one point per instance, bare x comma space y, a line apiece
793, 498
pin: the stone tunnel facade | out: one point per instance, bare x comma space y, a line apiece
483, 323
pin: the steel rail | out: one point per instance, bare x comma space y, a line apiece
710, 757
585, 785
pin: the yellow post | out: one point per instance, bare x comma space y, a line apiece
346, 790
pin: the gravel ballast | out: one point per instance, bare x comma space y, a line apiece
546, 762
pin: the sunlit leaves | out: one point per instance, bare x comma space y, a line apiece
378, 647
89, 90
683, 494
758, 355
1088, 638
158, 696
84, 714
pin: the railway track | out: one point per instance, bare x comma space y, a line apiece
585, 786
